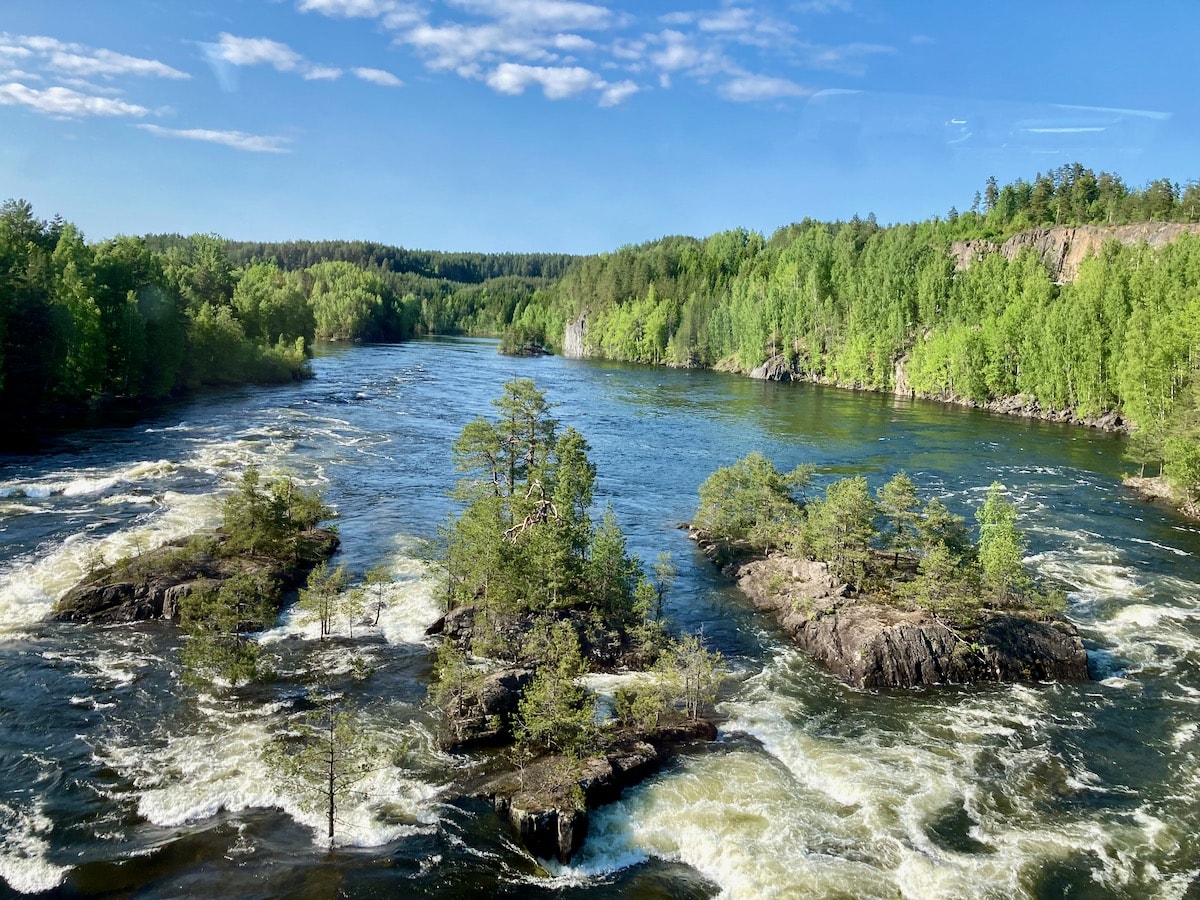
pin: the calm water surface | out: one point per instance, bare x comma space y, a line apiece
116, 781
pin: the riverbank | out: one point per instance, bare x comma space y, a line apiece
1160, 490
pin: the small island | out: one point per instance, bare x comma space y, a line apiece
538, 596
882, 590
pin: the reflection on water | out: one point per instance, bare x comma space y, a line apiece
114, 779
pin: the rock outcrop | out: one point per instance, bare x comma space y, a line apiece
1063, 248
874, 645
151, 585
547, 803
482, 716
573, 338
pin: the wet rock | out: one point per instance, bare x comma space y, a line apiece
481, 714
547, 803
871, 644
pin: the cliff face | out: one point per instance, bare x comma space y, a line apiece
1064, 248
573, 336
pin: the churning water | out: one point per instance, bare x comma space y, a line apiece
116, 780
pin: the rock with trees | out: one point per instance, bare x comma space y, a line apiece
538, 594
887, 591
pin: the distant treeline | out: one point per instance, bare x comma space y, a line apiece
467, 293
1073, 194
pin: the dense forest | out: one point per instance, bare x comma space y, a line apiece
851, 303
85, 325
444, 293
884, 308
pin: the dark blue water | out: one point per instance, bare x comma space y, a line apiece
116, 780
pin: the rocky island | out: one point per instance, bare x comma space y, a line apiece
538, 596
270, 537
912, 602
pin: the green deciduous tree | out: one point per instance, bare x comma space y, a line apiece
1001, 547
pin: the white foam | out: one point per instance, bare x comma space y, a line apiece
221, 766
29, 586
23, 850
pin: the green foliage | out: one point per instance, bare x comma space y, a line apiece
269, 518
1001, 547
898, 502
750, 501
323, 756
556, 713
218, 622
326, 599
525, 540
840, 528
931, 560
691, 676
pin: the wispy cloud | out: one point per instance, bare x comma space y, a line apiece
749, 88
849, 59
66, 103
59, 57
348, 9
322, 73
543, 15
570, 48
238, 140
241, 51
822, 7
378, 76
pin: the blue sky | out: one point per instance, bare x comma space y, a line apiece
571, 125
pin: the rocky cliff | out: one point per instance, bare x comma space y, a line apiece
1063, 248
573, 335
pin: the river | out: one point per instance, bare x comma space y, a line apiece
115, 780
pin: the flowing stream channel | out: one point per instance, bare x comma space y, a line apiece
116, 780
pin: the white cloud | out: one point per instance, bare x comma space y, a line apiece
680, 53
322, 73
378, 76
748, 88
734, 18
542, 15
66, 103
241, 51
573, 43
78, 60
614, 94
457, 46
239, 140
81, 84
349, 9
557, 82
823, 6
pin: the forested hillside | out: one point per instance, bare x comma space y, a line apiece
82, 324
467, 293
860, 305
